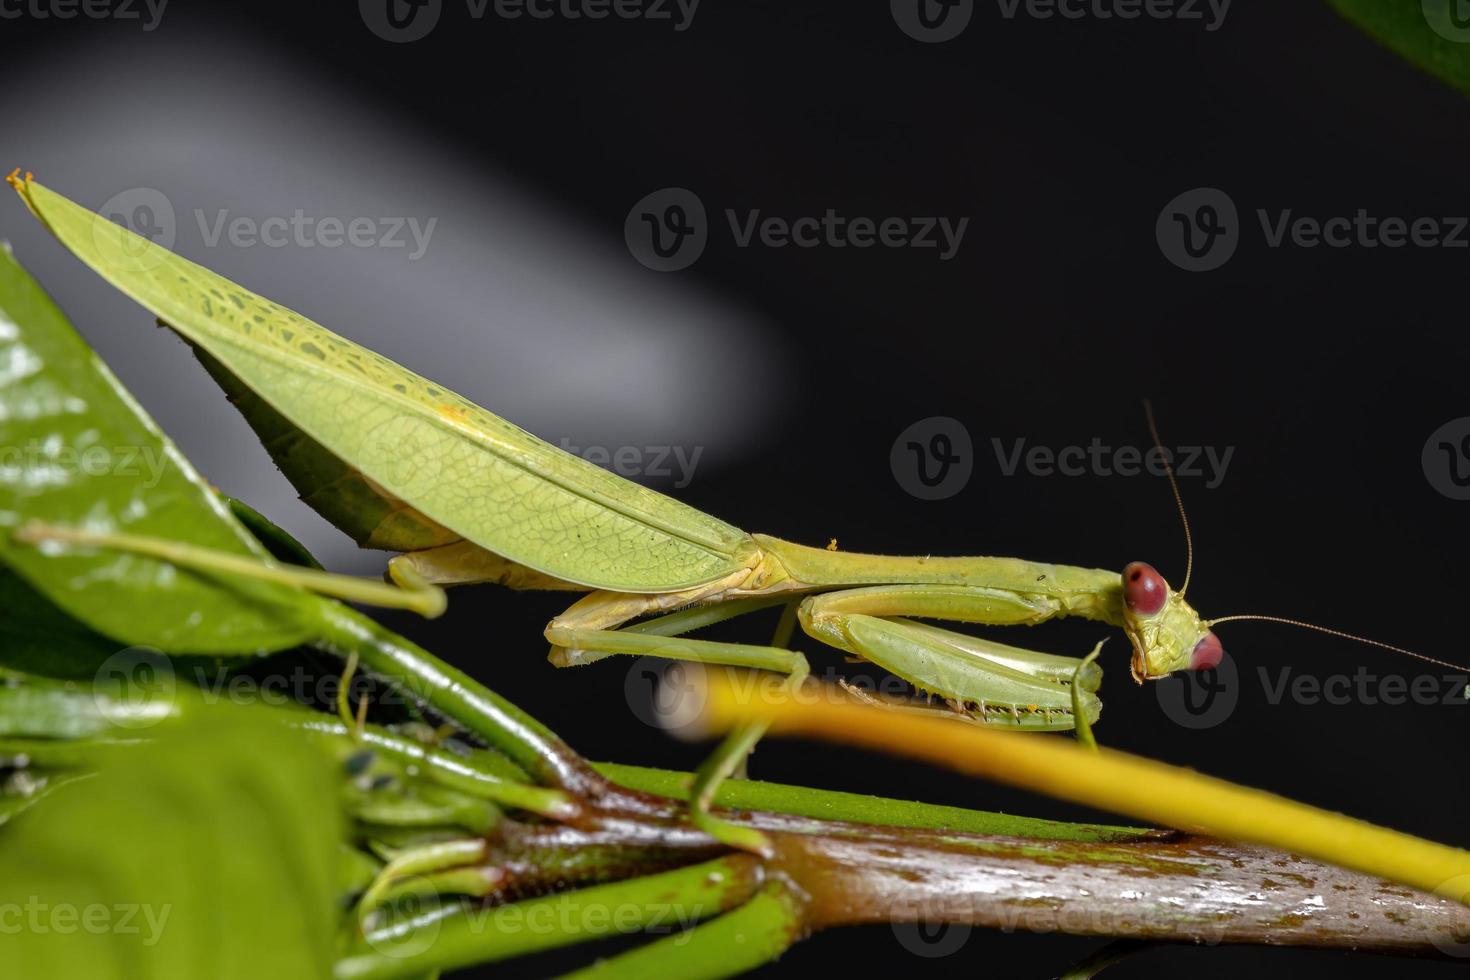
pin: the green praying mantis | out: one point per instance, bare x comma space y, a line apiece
403, 464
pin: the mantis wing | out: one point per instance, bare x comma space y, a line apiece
457, 464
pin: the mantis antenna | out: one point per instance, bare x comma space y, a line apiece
1340, 634
1153, 430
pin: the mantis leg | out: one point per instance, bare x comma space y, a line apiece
985, 681
462, 563
734, 750
660, 638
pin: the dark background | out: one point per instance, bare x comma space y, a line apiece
1326, 369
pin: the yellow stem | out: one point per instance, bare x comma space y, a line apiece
1141, 788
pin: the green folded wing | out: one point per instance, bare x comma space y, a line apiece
457, 464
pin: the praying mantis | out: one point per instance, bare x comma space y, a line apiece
403, 464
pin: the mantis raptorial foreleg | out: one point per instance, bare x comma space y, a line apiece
982, 681
988, 682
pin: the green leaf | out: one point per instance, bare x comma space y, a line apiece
276, 539
38, 638
80, 452
465, 469
1431, 34
210, 853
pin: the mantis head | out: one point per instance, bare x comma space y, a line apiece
1167, 634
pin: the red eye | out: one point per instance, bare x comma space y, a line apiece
1144, 589
1207, 653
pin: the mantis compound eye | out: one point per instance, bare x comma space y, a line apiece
1207, 653
1144, 589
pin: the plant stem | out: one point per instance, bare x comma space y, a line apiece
1190, 890
802, 801
750, 936
467, 936
450, 770
457, 696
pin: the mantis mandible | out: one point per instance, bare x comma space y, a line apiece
403, 464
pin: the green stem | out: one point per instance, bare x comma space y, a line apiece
754, 934
427, 600
802, 801
1099, 960
454, 772
465, 936
457, 696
